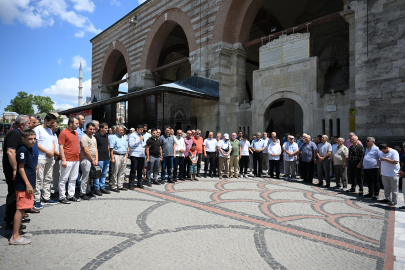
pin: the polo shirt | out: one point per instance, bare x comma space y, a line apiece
258, 144
291, 148
210, 145
180, 145
224, 145
167, 143
12, 140
154, 147
102, 146
245, 145
340, 155
235, 147
265, 151
136, 146
371, 158
307, 151
45, 139
324, 148
199, 143
70, 141
91, 143
274, 148
188, 142
388, 169
25, 155
118, 144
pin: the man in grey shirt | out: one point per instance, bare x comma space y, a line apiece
340, 159
169, 153
322, 160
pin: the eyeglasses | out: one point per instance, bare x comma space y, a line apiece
198, 133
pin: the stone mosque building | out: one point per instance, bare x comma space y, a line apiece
314, 66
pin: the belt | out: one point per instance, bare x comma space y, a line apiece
211, 152
119, 154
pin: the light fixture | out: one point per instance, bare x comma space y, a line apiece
133, 20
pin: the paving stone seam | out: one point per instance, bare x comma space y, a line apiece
264, 252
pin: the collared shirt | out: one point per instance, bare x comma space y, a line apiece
210, 145
334, 146
371, 158
259, 144
324, 148
44, 139
274, 148
307, 151
299, 141
180, 145
245, 145
224, 145
388, 169
80, 132
340, 155
167, 145
91, 143
189, 143
348, 143
291, 148
356, 153
70, 142
267, 142
136, 146
199, 143
235, 147
146, 136
119, 144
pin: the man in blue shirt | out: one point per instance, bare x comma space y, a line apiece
322, 160
169, 152
370, 163
80, 132
137, 156
307, 154
118, 154
258, 145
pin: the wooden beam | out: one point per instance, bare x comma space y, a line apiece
117, 82
173, 64
316, 22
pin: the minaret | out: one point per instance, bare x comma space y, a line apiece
80, 85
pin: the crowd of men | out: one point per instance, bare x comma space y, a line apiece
77, 159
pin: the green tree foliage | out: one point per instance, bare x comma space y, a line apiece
44, 104
23, 104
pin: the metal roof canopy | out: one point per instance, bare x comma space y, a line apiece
197, 87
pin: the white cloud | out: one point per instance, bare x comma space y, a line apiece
142, 1
115, 3
79, 34
76, 60
67, 89
41, 13
62, 106
60, 61
88, 68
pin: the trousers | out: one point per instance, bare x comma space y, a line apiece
265, 164
355, 175
274, 165
11, 199
85, 185
323, 170
223, 161
307, 171
153, 167
167, 166
257, 163
373, 183
178, 167
118, 171
210, 161
69, 173
100, 183
44, 179
390, 187
234, 165
244, 164
341, 176
56, 175
289, 168
136, 169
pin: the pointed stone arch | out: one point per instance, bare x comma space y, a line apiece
112, 55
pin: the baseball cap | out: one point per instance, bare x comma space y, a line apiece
226, 136
132, 129
291, 137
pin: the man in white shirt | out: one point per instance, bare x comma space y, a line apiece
209, 149
46, 147
389, 164
265, 153
179, 159
244, 160
290, 157
224, 151
274, 151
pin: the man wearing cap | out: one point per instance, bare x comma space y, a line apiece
132, 130
258, 145
136, 144
224, 151
290, 157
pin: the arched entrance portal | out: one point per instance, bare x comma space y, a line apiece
284, 116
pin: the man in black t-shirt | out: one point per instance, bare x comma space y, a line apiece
153, 157
103, 159
12, 143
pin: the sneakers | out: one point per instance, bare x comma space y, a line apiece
50, 202
294, 179
64, 201
21, 241
342, 188
286, 178
345, 189
392, 204
38, 206
73, 199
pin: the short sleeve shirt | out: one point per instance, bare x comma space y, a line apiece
13, 140
371, 158
91, 143
235, 147
154, 147
388, 169
193, 155
25, 155
210, 145
291, 148
45, 139
70, 142
118, 144
224, 146
258, 144
245, 145
324, 148
307, 151
189, 143
199, 143
356, 153
102, 146
340, 154
167, 145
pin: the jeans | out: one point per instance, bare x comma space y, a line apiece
210, 160
257, 162
274, 165
178, 161
373, 182
307, 171
244, 164
167, 165
100, 183
152, 167
355, 175
136, 169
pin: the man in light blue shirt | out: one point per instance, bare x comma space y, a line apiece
118, 154
80, 132
322, 160
258, 145
137, 156
290, 157
370, 163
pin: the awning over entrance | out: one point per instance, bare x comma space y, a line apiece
197, 87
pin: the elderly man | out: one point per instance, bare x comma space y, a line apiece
356, 154
118, 154
307, 155
188, 141
96, 125
290, 158
258, 145
274, 150
340, 159
179, 160
265, 153
322, 160
210, 145
348, 143
12, 142
136, 145
46, 161
389, 160
169, 153
371, 162
235, 156
224, 150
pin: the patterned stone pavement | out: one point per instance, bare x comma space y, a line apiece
245, 223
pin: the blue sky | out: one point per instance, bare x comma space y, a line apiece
43, 42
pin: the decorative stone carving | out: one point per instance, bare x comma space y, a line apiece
244, 106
